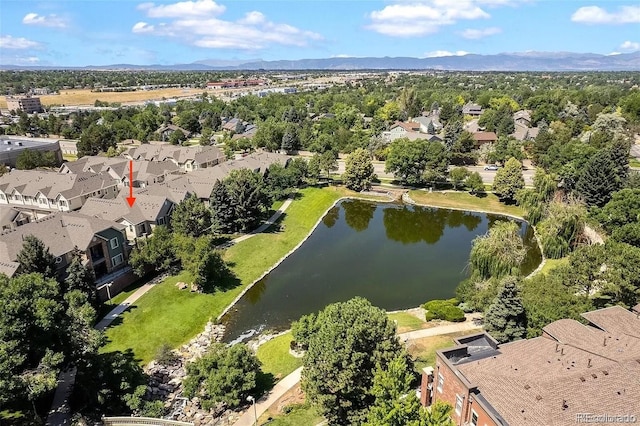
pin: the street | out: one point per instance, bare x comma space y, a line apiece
487, 175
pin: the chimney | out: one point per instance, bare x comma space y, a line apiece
562, 351
604, 342
589, 363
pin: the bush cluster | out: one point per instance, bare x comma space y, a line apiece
444, 309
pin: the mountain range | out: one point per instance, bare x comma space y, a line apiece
517, 61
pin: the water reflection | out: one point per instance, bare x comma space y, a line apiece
397, 256
331, 217
358, 214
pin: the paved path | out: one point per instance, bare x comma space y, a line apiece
59, 413
286, 384
282, 387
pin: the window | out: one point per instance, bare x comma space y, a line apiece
459, 400
474, 418
161, 221
2, 197
114, 243
116, 260
440, 382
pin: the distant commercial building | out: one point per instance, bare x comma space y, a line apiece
27, 104
12, 146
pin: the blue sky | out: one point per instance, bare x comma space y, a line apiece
88, 32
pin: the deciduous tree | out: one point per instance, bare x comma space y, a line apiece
358, 170
508, 180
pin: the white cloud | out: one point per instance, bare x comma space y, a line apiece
252, 32
8, 42
630, 46
598, 15
183, 9
142, 27
53, 20
474, 34
422, 17
443, 53
614, 53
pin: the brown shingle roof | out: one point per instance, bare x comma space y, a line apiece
615, 320
485, 136
146, 208
548, 380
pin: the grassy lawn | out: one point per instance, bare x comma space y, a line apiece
424, 350
276, 359
407, 322
634, 162
551, 264
168, 315
300, 415
461, 200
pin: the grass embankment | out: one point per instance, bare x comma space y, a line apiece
424, 350
406, 322
461, 200
551, 264
166, 315
300, 415
276, 359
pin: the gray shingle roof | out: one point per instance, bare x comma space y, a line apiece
146, 208
61, 232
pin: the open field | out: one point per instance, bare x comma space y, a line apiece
551, 264
275, 357
423, 351
461, 200
406, 322
168, 315
87, 97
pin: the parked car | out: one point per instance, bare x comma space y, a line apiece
491, 167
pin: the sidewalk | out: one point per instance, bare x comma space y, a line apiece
286, 384
263, 404
59, 412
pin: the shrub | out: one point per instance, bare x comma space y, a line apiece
444, 310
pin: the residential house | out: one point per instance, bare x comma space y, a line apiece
147, 212
166, 130
522, 123
201, 182
481, 138
102, 243
187, 158
571, 370
10, 218
429, 124
42, 192
144, 172
472, 109
249, 132
401, 130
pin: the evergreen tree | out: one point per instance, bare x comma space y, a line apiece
598, 180
508, 180
358, 172
80, 278
506, 319
36, 257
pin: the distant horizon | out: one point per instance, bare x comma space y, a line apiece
74, 33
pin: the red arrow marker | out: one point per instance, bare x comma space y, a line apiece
131, 199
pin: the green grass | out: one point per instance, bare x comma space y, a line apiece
551, 264
462, 200
168, 315
301, 415
634, 162
406, 322
424, 350
275, 358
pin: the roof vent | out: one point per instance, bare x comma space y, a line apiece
582, 379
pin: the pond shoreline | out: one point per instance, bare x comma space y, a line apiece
405, 199
282, 259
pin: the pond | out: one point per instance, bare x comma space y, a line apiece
397, 256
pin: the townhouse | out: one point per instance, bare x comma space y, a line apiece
187, 158
559, 378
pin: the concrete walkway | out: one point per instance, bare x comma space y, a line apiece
263, 404
286, 384
59, 413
